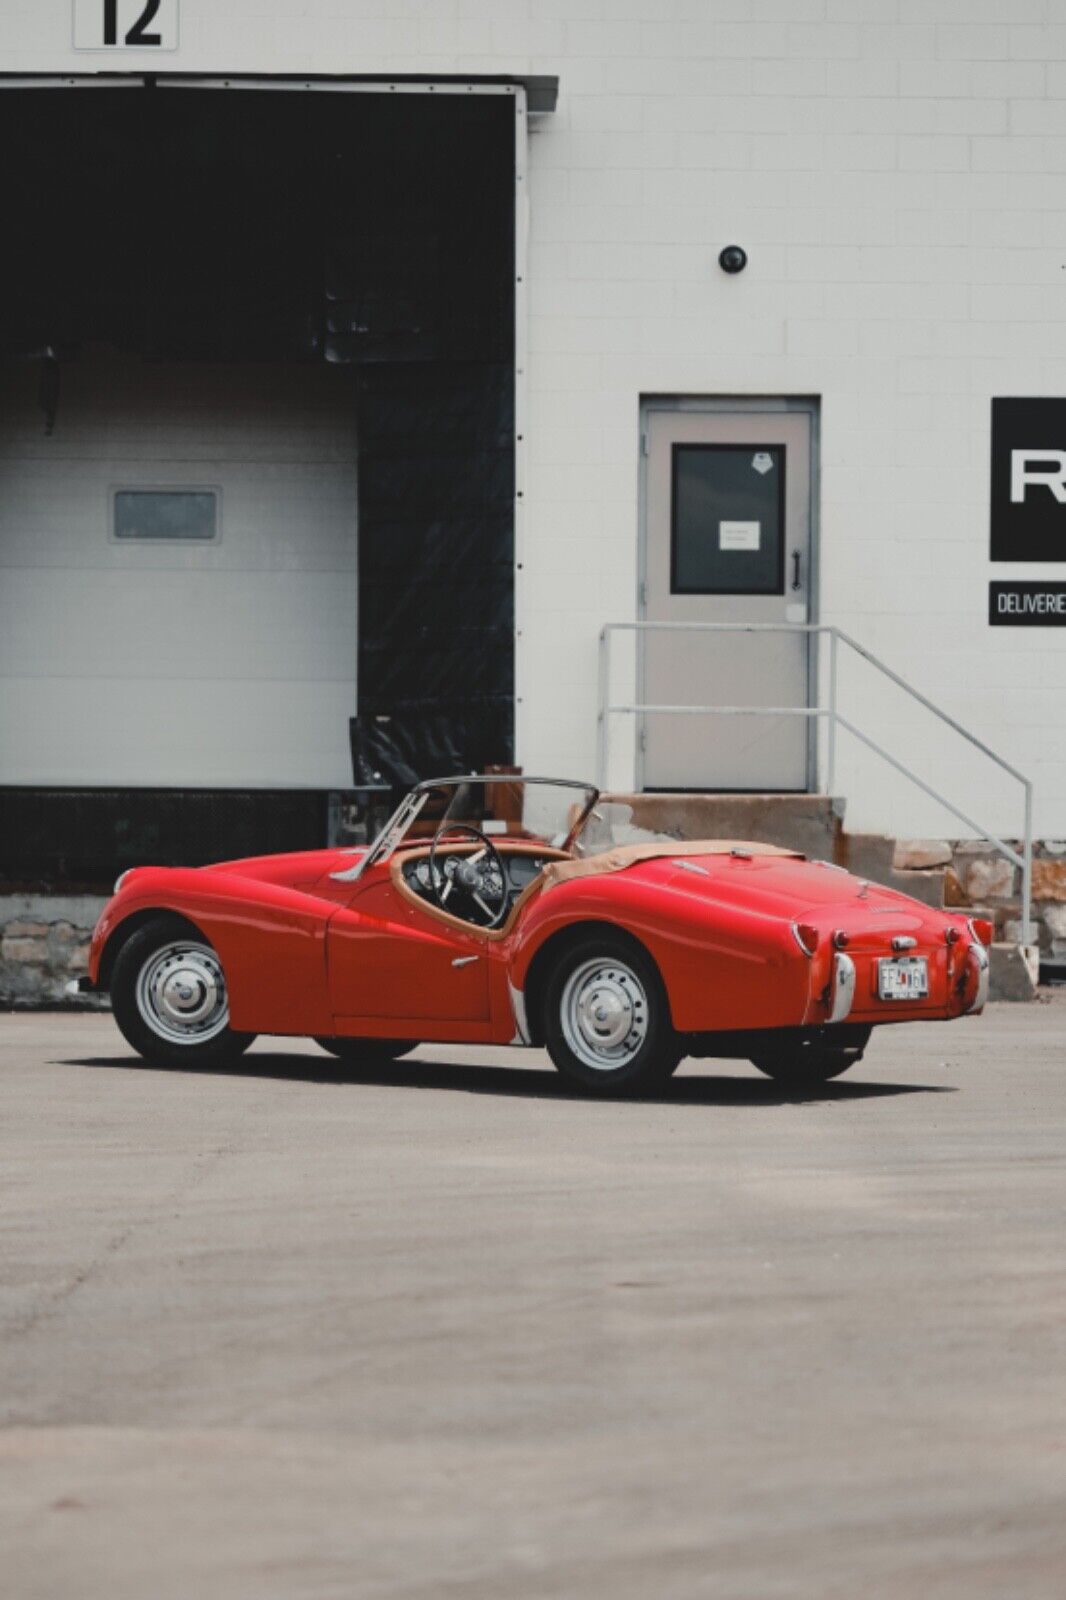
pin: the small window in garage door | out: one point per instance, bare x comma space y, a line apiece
188, 515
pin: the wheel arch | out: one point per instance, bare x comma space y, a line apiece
554, 948
128, 927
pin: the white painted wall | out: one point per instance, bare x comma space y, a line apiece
222, 664
893, 168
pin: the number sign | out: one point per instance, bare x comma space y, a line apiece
125, 24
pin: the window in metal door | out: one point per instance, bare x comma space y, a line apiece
727, 520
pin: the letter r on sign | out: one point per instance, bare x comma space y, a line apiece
1043, 469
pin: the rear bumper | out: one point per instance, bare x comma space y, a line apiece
846, 989
843, 995
977, 956
956, 989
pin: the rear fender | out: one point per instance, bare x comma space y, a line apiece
723, 966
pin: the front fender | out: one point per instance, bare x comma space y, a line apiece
271, 941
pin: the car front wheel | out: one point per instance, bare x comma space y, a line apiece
607, 1020
168, 996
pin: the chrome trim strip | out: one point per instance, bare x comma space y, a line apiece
518, 1006
843, 987
903, 941
796, 935
390, 836
464, 961
690, 866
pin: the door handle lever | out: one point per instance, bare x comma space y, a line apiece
464, 961
795, 569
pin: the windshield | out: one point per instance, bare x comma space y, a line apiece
610, 823
549, 811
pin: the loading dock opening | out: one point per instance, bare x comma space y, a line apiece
371, 232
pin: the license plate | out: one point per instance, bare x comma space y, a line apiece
906, 978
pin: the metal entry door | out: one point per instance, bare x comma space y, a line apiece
727, 521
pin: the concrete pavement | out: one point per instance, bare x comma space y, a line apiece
442, 1330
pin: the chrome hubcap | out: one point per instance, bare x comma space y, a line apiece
604, 1014
181, 993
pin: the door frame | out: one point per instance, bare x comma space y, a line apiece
533, 95
811, 406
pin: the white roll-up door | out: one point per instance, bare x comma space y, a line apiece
178, 575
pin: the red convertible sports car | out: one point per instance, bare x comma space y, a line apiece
497, 910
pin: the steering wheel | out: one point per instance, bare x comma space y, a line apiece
472, 874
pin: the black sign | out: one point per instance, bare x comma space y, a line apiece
1027, 605
1029, 480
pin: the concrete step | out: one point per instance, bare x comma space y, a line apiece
811, 823
871, 855
1015, 972
928, 887
868, 855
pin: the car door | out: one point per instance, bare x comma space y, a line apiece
391, 962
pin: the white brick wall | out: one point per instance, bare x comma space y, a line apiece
893, 167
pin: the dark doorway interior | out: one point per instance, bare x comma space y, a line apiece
373, 231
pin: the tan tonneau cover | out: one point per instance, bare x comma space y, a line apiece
627, 855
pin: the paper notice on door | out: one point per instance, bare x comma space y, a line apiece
739, 535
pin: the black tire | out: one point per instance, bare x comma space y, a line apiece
365, 1052
621, 975
806, 1068
139, 985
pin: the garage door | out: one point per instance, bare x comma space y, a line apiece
178, 569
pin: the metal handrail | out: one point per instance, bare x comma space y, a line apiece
834, 719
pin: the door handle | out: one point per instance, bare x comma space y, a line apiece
464, 961
795, 569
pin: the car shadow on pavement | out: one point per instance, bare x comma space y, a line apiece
531, 1083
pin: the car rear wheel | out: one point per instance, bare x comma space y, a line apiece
805, 1068
607, 1020
168, 996
365, 1052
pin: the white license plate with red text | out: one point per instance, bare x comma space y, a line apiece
902, 978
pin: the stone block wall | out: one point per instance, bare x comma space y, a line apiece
978, 878
44, 942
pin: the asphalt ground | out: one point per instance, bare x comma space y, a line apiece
444, 1330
